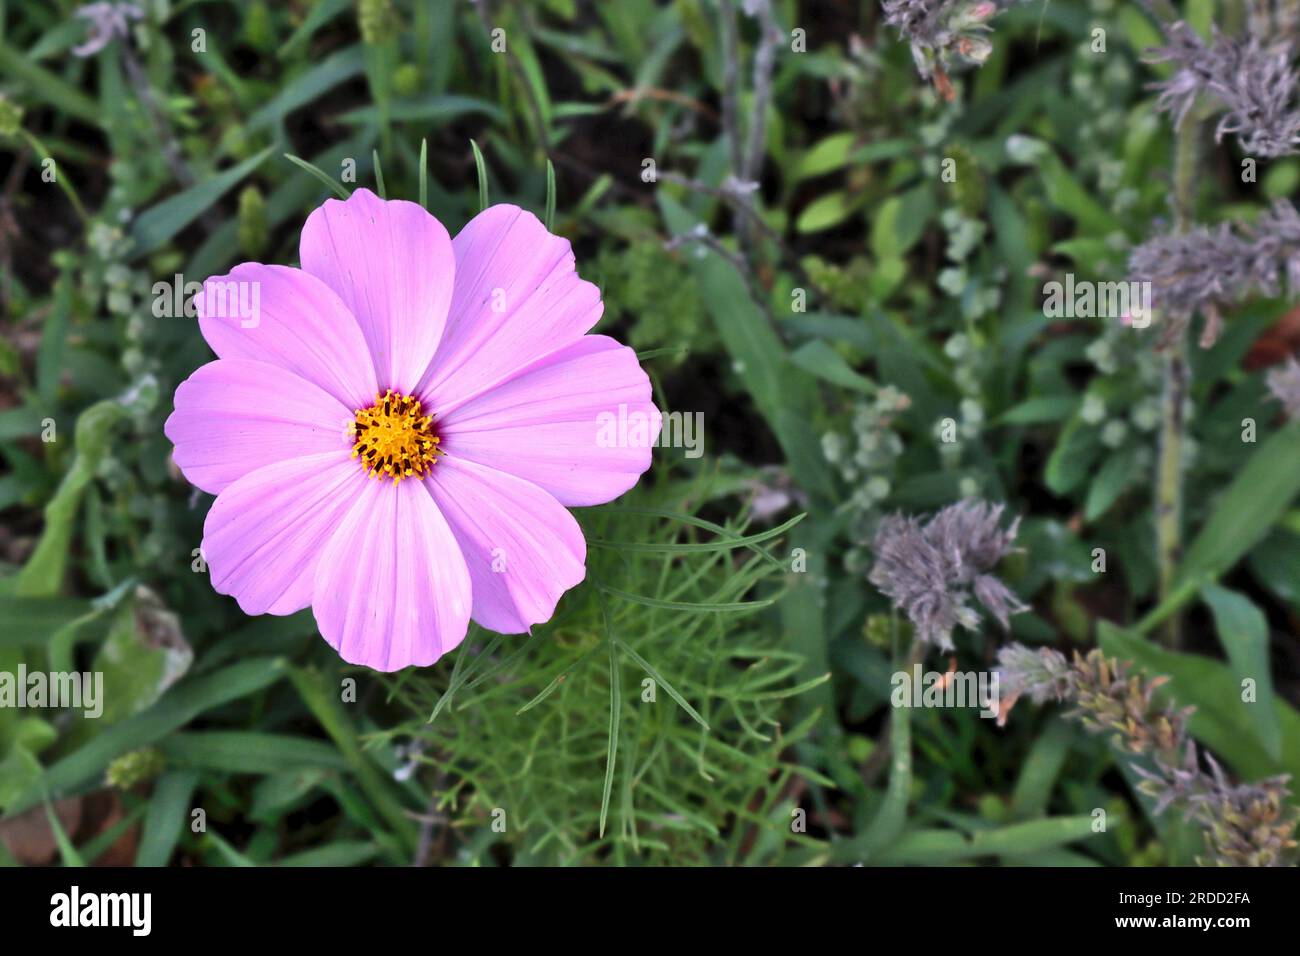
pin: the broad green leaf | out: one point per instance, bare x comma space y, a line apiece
43, 86
900, 222
240, 751
941, 847
1244, 514
824, 156
1035, 411
343, 853
335, 69
144, 654
1110, 482
1243, 632
31, 622
825, 212
1072, 459
159, 223
1275, 562
1040, 769
818, 358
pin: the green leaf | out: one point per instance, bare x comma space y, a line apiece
824, 156
144, 654
67, 852
431, 109
940, 847
42, 575
169, 809
1072, 459
727, 543
45, 87
346, 853
1070, 196
1243, 632
1040, 769
255, 752
891, 816
785, 394
1111, 481
818, 358
1244, 514
319, 79
31, 622
177, 707
159, 223
825, 212
1036, 411
1275, 563
232, 856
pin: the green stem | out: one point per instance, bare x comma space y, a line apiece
1176, 382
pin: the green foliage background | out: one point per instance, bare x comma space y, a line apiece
769, 738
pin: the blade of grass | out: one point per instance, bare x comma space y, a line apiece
163, 824
424, 173
67, 852
379, 174
550, 195
339, 189
482, 176
615, 707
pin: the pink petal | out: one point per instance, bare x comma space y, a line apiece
392, 264
298, 324
391, 588
233, 416
552, 423
264, 534
522, 548
517, 298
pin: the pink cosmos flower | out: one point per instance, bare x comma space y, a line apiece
393, 431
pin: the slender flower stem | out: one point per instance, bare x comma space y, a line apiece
1176, 381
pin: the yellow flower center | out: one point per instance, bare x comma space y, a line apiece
395, 438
